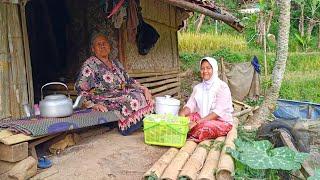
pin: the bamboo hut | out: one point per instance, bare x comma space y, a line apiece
43, 41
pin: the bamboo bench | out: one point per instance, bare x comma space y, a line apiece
160, 84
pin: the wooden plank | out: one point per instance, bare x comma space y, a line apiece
17, 138
306, 168
138, 75
5, 133
168, 92
161, 82
241, 103
165, 87
13, 153
157, 78
4, 64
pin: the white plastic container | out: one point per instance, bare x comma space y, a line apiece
167, 105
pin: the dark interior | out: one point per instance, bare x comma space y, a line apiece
59, 34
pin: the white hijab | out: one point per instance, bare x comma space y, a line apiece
207, 90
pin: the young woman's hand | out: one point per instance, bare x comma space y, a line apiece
100, 107
192, 124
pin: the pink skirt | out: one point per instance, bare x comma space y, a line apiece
210, 129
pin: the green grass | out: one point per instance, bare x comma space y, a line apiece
303, 86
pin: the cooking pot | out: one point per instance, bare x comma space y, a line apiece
57, 105
167, 104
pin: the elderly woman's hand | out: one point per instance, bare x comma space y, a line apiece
147, 94
100, 107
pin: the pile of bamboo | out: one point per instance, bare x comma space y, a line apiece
207, 160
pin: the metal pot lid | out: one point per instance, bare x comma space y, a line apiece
55, 97
167, 100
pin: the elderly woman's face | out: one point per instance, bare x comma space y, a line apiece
206, 70
101, 47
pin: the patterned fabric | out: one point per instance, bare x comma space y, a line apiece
113, 88
38, 126
207, 129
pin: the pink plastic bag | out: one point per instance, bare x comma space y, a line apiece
210, 129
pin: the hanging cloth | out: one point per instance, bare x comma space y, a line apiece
146, 37
116, 8
133, 21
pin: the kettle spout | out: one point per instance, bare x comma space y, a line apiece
78, 102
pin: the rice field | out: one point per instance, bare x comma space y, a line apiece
207, 42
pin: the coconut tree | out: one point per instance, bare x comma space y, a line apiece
278, 71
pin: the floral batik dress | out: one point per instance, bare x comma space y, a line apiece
113, 88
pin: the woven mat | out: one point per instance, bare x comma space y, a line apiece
38, 126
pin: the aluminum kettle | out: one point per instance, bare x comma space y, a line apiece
57, 105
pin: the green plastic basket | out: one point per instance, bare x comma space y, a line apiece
165, 130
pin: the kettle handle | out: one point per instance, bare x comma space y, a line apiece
55, 83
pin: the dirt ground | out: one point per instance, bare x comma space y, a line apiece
106, 156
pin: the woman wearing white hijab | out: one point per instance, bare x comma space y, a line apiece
210, 104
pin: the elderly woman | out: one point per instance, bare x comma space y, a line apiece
106, 86
209, 107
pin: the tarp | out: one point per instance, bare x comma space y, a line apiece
294, 110
242, 79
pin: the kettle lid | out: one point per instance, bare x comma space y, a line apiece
55, 97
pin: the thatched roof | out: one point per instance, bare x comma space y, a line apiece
208, 8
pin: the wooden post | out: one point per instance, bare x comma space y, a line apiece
4, 64
27, 52
19, 90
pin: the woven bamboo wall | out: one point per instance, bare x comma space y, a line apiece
163, 57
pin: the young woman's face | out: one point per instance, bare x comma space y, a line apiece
206, 70
101, 47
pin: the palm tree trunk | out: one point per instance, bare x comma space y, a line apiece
278, 71
270, 17
310, 27
261, 28
301, 21
319, 36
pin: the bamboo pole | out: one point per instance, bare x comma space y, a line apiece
172, 171
211, 164
226, 165
195, 162
157, 169
4, 64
